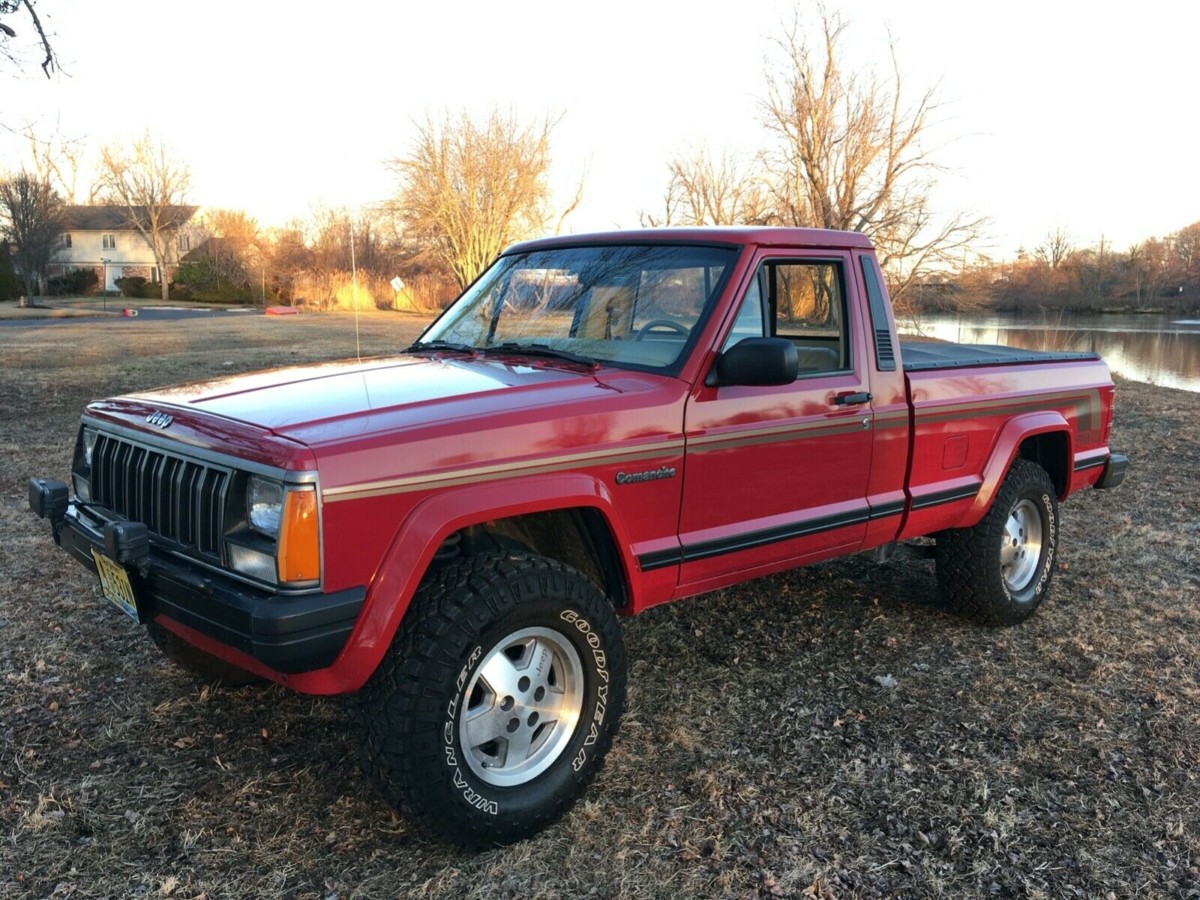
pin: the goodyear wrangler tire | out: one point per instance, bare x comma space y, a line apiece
998, 572
204, 666
498, 699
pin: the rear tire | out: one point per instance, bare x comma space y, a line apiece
998, 572
498, 699
204, 666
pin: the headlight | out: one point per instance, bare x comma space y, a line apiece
81, 471
282, 541
88, 443
264, 506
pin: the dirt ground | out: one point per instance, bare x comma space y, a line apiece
823, 733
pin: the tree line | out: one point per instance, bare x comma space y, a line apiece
466, 189
840, 148
1155, 274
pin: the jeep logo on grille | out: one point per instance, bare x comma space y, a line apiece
160, 419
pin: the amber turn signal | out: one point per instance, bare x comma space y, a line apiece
299, 556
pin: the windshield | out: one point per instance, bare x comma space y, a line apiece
625, 304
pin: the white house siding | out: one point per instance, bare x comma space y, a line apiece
130, 255
87, 252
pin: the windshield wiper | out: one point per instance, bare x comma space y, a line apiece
452, 346
541, 350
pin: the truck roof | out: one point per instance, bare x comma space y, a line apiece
733, 235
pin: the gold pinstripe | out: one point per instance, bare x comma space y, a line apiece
771, 433
1087, 404
497, 471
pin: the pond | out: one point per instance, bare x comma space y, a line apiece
1155, 349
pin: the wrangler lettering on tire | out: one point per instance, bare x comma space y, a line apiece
498, 699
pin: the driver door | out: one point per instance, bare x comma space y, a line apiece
777, 476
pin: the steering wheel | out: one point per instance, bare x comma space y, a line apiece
668, 324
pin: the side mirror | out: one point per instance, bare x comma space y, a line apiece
759, 361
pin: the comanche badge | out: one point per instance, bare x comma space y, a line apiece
652, 475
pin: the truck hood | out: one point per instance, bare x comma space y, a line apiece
334, 401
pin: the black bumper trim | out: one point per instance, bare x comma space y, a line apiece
967, 492
1114, 471
289, 634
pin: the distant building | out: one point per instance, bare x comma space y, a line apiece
101, 238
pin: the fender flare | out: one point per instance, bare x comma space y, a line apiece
430, 522
1008, 443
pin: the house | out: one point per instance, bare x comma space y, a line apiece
101, 238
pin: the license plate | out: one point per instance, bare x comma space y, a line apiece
114, 581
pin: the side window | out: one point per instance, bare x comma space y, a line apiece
749, 321
806, 301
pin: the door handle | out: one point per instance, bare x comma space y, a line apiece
855, 399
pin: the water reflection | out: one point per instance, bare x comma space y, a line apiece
1153, 349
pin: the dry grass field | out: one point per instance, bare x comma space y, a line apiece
765, 752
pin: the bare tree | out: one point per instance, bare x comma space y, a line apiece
1056, 248
56, 161
704, 191
225, 251
1146, 266
232, 225
31, 220
467, 190
848, 154
8, 34
151, 186
1185, 246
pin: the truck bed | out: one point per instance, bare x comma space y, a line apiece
921, 356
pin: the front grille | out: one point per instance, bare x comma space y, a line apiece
178, 499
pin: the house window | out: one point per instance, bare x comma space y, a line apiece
185, 243
66, 241
108, 242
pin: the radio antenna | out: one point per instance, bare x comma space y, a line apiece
354, 288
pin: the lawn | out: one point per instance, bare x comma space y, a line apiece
826, 732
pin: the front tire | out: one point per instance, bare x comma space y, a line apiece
498, 699
998, 572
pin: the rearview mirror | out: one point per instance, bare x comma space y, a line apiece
759, 361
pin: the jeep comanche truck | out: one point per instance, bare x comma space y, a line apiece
599, 424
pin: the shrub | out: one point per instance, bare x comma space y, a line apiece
427, 291
202, 281
138, 288
335, 291
75, 283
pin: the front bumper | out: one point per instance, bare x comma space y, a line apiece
288, 634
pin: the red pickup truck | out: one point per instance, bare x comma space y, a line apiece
598, 425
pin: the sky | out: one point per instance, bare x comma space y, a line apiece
1054, 115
